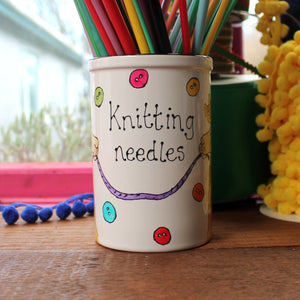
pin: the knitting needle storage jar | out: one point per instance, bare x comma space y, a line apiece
151, 144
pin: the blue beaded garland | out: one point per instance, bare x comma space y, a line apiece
31, 213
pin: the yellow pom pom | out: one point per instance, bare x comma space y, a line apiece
297, 187
297, 101
278, 167
263, 85
278, 194
265, 39
284, 6
290, 155
261, 100
281, 182
272, 8
263, 190
298, 156
290, 195
285, 132
286, 67
295, 123
281, 98
298, 199
285, 129
297, 36
294, 91
297, 51
285, 140
298, 58
292, 171
259, 8
265, 68
272, 53
287, 47
284, 30
295, 144
283, 84
260, 120
273, 156
279, 113
274, 146
297, 109
284, 148
270, 201
294, 76
292, 109
262, 25
297, 211
286, 208
264, 135
274, 124
291, 58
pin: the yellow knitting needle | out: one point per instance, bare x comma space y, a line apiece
136, 27
213, 31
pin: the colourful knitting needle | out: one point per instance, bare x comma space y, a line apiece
108, 26
95, 38
211, 16
214, 28
200, 25
108, 45
144, 26
229, 7
211, 8
136, 26
148, 21
126, 20
120, 26
172, 15
184, 26
165, 6
159, 27
175, 33
192, 13
85, 31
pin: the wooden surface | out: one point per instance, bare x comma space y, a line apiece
250, 256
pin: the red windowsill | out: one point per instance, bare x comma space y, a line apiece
44, 183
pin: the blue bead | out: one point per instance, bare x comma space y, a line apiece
90, 207
45, 214
79, 209
30, 214
10, 215
63, 210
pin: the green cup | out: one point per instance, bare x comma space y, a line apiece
239, 161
